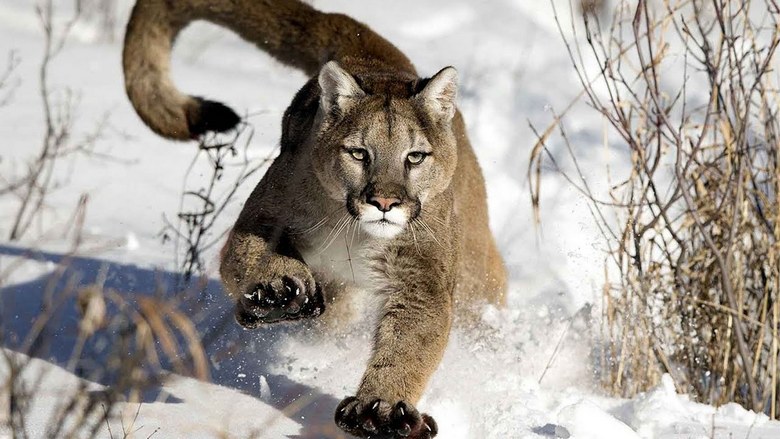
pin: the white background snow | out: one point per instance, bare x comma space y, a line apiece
513, 70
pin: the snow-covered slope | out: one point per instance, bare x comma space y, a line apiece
526, 372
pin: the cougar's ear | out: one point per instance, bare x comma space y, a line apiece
439, 94
338, 89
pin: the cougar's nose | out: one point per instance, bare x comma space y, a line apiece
384, 204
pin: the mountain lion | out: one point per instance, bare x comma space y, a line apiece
376, 186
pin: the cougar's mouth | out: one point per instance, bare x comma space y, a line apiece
382, 221
382, 228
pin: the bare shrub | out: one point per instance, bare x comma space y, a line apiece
693, 266
8, 82
33, 186
593, 6
203, 200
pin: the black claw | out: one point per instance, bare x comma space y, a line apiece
346, 415
316, 305
378, 420
430, 424
287, 298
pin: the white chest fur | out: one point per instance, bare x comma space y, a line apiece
338, 258
343, 262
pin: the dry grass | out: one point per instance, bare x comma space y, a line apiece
9, 81
693, 261
143, 339
140, 340
33, 186
204, 198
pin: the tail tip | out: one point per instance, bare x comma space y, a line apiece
210, 116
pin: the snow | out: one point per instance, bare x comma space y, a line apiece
525, 372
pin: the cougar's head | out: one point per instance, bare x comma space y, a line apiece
385, 147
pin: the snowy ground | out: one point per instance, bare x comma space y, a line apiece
499, 381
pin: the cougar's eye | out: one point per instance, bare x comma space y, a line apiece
359, 154
416, 157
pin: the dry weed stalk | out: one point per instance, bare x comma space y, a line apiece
144, 340
693, 232
8, 81
593, 6
138, 340
33, 187
127, 342
200, 209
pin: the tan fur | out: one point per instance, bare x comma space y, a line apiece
348, 144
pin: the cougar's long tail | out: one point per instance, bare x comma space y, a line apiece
291, 31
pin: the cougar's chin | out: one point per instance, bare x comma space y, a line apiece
384, 225
382, 228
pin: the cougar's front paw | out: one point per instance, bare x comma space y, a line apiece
379, 419
288, 297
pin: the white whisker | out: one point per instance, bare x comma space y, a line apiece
337, 226
349, 245
343, 222
319, 223
428, 229
354, 231
414, 238
438, 220
313, 228
430, 215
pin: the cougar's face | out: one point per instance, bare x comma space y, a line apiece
384, 158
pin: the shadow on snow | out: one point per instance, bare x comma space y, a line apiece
237, 358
